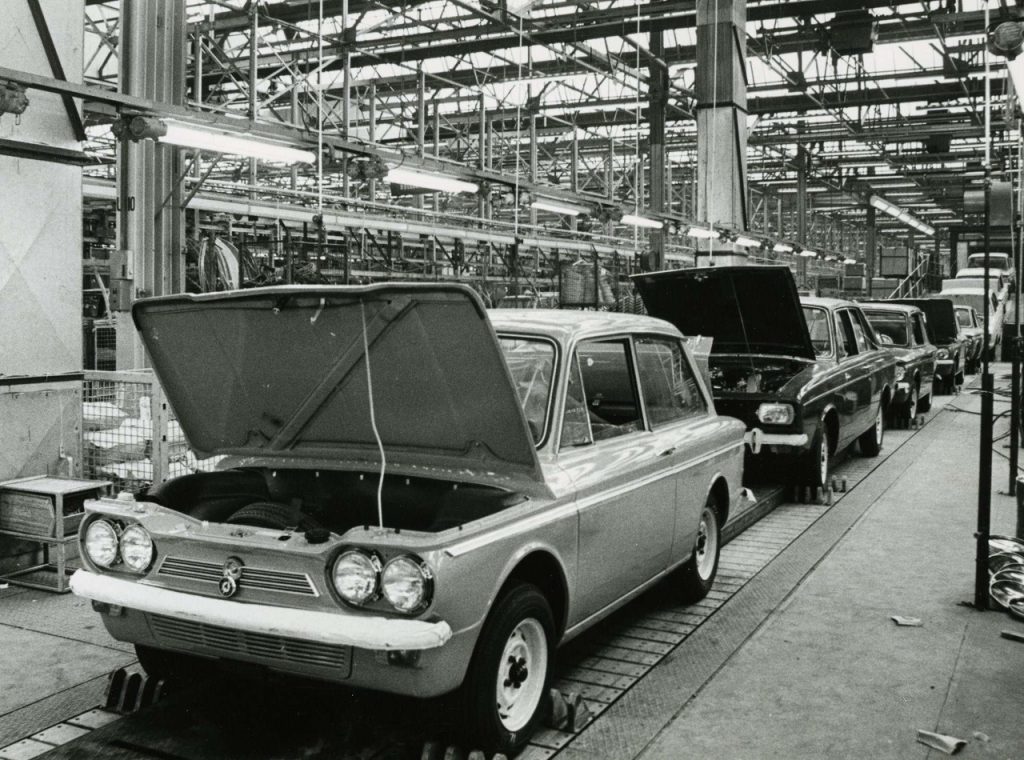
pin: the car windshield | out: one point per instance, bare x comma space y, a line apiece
893, 325
817, 326
963, 316
994, 261
531, 363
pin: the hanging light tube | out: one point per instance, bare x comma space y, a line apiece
782, 248
559, 207
702, 233
642, 221
202, 138
747, 242
808, 253
901, 215
430, 181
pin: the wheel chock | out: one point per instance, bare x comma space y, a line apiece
844, 485
131, 692
432, 751
580, 715
558, 716
828, 498
115, 688
454, 753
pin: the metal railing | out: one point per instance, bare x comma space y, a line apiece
130, 434
913, 284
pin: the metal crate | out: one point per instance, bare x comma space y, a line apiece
130, 434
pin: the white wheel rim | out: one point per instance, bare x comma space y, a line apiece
878, 426
823, 462
522, 672
913, 403
707, 543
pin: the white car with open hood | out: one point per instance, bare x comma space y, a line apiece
416, 496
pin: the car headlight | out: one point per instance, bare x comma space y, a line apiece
943, 353
407, 584
101, 543
136, 548
900, 371
356, 576
775, 414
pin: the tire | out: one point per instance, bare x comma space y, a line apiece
908, 411
170, 666
815, 464
270, 514
697, 575
871, 439
505, 694
924, 404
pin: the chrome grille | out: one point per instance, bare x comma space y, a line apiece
252, 578
226, 641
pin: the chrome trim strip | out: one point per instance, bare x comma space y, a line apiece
259, 579
369, 632
558, 513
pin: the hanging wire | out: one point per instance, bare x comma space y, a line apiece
708, 174
638, 191
373, 419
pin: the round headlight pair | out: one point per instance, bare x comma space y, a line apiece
900, 371
106, 542
406, 582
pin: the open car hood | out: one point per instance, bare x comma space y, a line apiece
747, 309
939, 314
281, 372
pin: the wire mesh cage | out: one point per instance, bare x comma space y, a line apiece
104, 337
130, 434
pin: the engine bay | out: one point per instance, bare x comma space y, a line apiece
331, 500
741, 375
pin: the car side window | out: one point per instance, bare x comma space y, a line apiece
919, 334
575, 420
667, 380
609, 388
859, 334
866, 329
844, 335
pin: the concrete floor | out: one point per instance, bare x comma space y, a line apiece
802, 662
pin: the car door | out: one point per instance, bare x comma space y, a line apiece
856, 389
876, 361
625, 486
678, 414
920, 334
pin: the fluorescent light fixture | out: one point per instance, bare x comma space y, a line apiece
849, 261
559, 207
642, 221
202, 138
901, 215
808, 253
701, 232
747, 242
782, 248
429, 181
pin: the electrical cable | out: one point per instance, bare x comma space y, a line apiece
320, 113
373, 419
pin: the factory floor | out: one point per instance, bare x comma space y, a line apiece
803, 660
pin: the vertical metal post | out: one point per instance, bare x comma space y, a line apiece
610, 170
534, 168
801, 195
481, 204
436, 197
253, 100
1015, 342
870, 247
197, 95
371, 128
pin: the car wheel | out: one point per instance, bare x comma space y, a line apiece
924, 403
816, 461
170, 666
698, 574
909, 410
505, 691
871, 439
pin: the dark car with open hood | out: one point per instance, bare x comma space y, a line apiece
807, 376
417, 496
904, 330
946, 334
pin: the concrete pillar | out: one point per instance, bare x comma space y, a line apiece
722, 121
150, 220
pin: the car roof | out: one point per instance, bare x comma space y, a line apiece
828, 303
884, 306
569, 324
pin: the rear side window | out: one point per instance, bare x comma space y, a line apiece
609, 389
575, 419
667, 380
892, 325
919, 332
859, 333
844, 334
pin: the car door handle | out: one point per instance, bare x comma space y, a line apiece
667, 452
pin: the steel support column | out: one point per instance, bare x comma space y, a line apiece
721, 91
870, 247
658, 101
152, 65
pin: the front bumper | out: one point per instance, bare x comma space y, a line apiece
902, 394
756, 439
944, 367
377, 633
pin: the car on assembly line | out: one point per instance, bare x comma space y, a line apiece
904, 331
416, 496
997, 261
974, 296
973, 330
807, 376
943, 331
